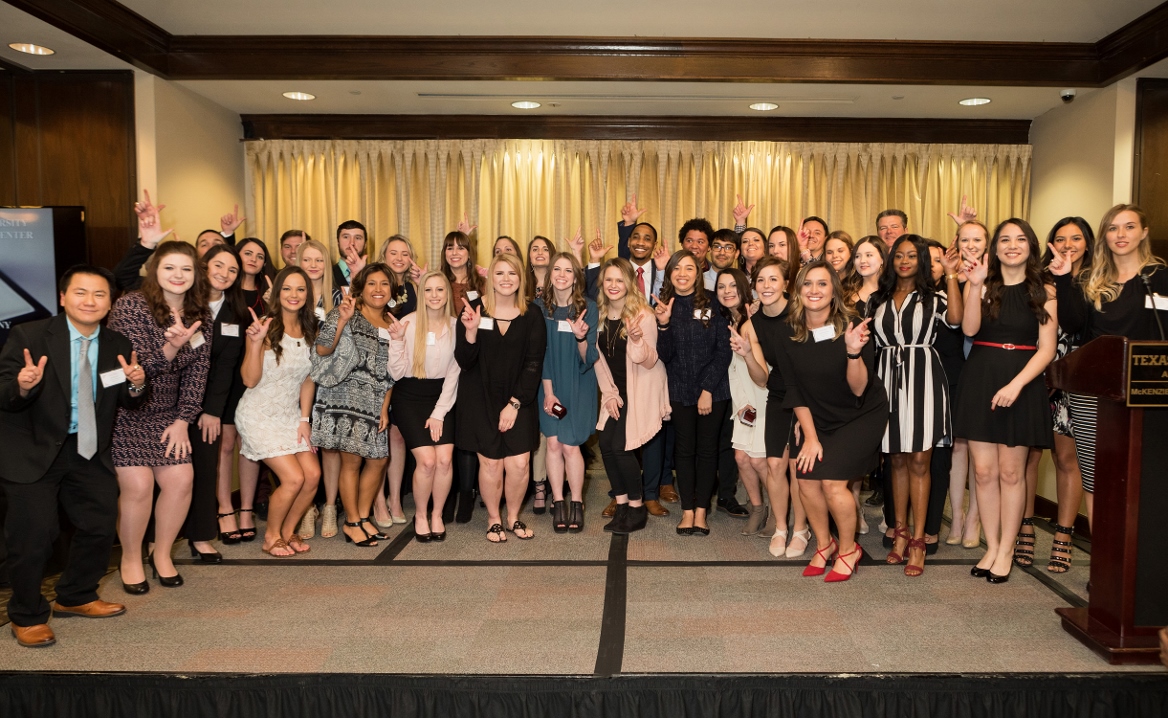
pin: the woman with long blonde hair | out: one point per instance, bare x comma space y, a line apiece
313, 257
421, 361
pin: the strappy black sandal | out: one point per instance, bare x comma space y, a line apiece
248, 534
229, 537
497, 531
520, 526
539, 501
1060, 551
1024, 545
369, 540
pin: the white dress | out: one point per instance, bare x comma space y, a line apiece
268, 415
743, 392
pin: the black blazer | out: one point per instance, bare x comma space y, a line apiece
226, 354
592, 274
36, 426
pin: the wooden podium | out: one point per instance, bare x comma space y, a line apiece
1128, 603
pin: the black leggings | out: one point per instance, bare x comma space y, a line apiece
696, 452
624, 473
938, 488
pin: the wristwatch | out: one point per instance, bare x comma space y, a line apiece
514, 404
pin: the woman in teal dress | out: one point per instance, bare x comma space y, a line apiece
567, 394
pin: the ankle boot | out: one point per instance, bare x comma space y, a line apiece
465, 507
635, 519
756, 520
618, 517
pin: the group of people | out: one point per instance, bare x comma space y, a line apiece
796, 360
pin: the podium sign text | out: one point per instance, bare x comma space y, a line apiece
1147, 383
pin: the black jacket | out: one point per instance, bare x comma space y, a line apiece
226, 357
36, 426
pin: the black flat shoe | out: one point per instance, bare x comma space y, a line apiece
702, 530
136, 589
888, 541
732, 507
213, 557
167, 581
995, 578
685, 530
979, 572
931, 548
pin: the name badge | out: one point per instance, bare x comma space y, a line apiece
563, 326
486, 323
113, 377
701, 314
710, 283
197, 340
1161, 302
472, 295
320, 315
229, 330
383, 333
431, 339
823, 334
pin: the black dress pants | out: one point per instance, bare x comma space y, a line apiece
696, 452
201, 523
88, 492
727, 465
624, 473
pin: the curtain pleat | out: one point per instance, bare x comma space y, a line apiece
552, 187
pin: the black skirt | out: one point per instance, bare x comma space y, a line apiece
849, 452
410, 406
778, 427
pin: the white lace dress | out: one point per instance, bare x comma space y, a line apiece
268, 415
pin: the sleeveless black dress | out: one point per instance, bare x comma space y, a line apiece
769, 331
988, 369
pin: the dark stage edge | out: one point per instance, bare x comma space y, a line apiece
1140, 695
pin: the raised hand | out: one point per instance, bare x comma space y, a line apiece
355, 261
579, 327
258, 331
967, 213
976, 271
633, 330
951, 259
576, 244
1059, 265
135, 374
753, 307
465, 226
230, 222
416, 272
149, 224
804, 238
663, 310
346, 309
738, 343
179, 333
397, 330
268, 291
630, 213
597, 248
31, 374
741, 212
856, 336
470, 318
660, 257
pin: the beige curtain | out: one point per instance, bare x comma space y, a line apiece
526, 187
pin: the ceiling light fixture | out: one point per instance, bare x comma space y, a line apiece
974, 101
525, 105
764, 106
304, 96
29, 48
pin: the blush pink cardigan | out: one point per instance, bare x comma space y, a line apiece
646, 386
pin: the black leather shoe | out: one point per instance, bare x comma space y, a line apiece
465, 510
995, 578
732, 507
167, 581
685, 531
979, 572
136, 589
213, 557
876, 499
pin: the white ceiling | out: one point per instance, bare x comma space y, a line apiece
990, 20
72, 53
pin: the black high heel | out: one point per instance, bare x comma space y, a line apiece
167, 581
229, 537
979, 572
213, 557
369, 540
377, 534
136, 589
576, 523
541, 495
248, 534
995, 578
559, 519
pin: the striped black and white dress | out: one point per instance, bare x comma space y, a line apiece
911, 369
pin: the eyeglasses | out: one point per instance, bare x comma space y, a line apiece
723, 247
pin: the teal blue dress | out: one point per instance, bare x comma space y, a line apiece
573, 379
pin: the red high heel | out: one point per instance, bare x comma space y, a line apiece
834, 577
895, 558
826, 553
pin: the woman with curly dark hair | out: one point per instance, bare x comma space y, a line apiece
169, 326
273, 415
1010, 312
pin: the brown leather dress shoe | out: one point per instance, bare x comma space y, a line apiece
610, 510
669, 494
93, 609
37, 636
656, 509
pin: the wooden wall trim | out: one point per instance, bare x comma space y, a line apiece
593, 127
122, 32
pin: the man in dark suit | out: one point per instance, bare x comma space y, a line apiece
61, 383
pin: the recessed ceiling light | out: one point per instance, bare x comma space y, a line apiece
30, 49
525, 105
974, 101
299, 96
764, 106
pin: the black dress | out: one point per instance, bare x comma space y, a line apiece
1025, 423
779, 418
494, 369
849, 427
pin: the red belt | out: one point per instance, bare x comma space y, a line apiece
1008, 347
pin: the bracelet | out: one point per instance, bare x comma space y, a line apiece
951, 276
662, 326
306, 420
582, 340
853, 356
134, 388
